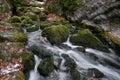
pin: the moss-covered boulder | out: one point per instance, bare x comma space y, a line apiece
26, 20
19, 37
63, 7
56, 34
44, 24
69, 63
32, 15
46, 66
28, 61
75, 74
17, 24
20, 21
31, 29
86, 38
15, 19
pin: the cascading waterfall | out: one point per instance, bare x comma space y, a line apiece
34, 75
83, 60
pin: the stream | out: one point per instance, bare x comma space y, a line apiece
107, 63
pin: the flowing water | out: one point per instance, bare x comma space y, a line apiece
34, 75
91, 58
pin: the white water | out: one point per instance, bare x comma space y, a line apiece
82, 60
34, 75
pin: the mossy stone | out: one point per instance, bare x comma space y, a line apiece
33, 16
19, 37
44, 24
26, 20
22, 10
75, 74
31, 29
69, 63
56, 34
42, 16
15, 19
86, 38
17, 24
46, 66
28, 61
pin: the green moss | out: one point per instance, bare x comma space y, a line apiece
20, 44
26, 20
111, 38
19, 37
64, 7
15, 19
46, 66
33, 16
86, 38
19, 3
22, 10
44, 24
28, 61
42, 16
69, 63
31, 29
56, 34
17, 24
75, 74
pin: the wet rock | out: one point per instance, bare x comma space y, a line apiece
57, 63
92, 72
46, 66
82, 49
56, 34
69, 63
86, 38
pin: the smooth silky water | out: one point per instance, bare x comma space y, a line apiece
82, 60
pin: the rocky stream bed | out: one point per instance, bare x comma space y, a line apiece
59, 40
